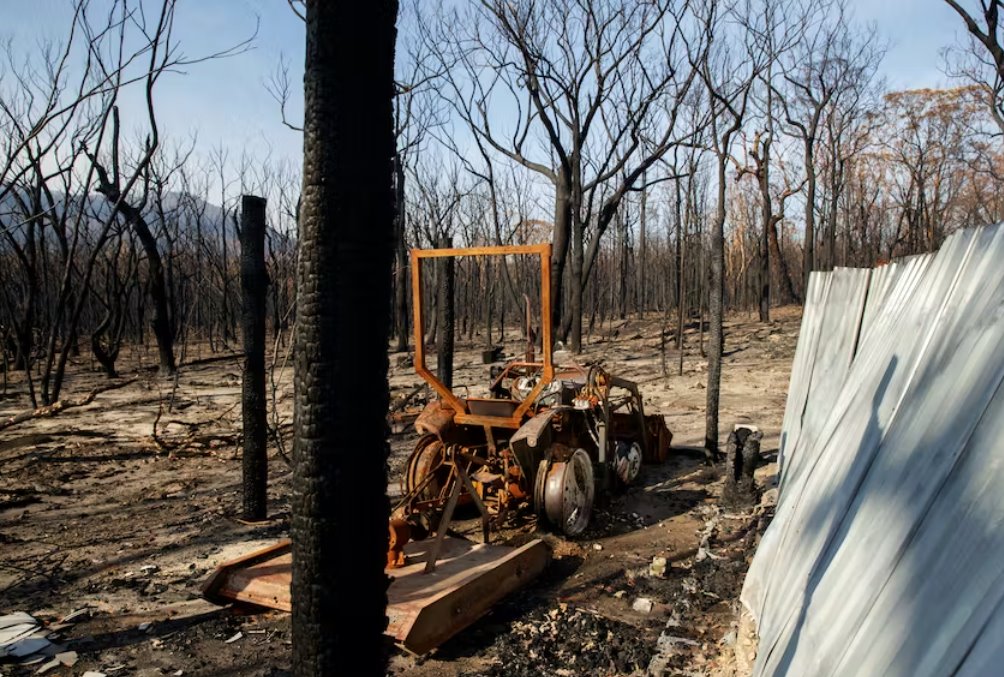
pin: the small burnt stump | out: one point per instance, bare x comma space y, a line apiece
742, 455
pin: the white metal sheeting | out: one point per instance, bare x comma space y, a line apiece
825, 349
886, 555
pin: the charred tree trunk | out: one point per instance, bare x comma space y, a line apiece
622, 260
446, 314
105, 356
831, 219
766, 218
161, 321
559, 245
715, 307
782, 264
225, 281
133, 215
346, 237
742, 455
682, 230
575, 283
254, 286
401, 265
641, 296
808, 253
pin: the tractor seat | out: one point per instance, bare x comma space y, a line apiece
488, 407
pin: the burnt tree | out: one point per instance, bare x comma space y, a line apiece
742, 454
161, 320
339, 496
254, 285
987, 51
135, 216
446, 316
401, 257
584, 124
728, 75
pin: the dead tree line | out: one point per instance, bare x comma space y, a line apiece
825, 170
895, 193
75, 199
195, 270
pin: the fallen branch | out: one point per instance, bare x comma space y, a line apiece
62, 405
402, 401
161, 444
229, 357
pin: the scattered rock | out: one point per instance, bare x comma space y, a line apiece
54, 663
643, 605
666, 641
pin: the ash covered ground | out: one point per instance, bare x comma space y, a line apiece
103, 514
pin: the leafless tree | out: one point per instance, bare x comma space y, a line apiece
982, 61
833, 59
728, 73
782, 25
597, 87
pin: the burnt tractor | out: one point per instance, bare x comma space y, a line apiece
546, 440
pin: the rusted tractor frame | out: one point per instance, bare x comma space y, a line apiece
528, 445
463, 414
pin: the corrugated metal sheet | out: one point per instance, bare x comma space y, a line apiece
831, 324
886, 556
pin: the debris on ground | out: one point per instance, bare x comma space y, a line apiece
63, 659
23, 637
570, 642
643, 604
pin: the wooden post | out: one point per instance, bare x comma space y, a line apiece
254, 283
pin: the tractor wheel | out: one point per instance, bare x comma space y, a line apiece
564, 492
426, 459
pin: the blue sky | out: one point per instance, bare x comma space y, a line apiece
226, 101
917, 31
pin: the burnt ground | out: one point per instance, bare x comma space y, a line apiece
103, 512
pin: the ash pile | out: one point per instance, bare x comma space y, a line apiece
569, 642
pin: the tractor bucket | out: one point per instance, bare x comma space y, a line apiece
424, 609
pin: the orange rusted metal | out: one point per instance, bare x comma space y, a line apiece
423, 610
523, 447
435, 419
400, 534
463, 413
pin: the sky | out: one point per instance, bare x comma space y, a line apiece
226, 103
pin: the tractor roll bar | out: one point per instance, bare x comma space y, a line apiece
451, 400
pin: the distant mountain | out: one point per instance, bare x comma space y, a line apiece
185, 214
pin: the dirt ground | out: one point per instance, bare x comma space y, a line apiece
101, 512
